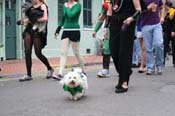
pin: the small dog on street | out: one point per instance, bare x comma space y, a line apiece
75, 83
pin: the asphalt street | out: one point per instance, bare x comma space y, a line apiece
147, 96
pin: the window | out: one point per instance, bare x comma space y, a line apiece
10, 4
60, 6
30, 1
87, 13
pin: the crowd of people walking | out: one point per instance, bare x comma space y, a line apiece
137, 33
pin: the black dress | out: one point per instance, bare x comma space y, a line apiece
34, 14
121, 42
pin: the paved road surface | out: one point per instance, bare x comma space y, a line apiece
147, 96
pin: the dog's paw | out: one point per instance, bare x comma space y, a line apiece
75, 98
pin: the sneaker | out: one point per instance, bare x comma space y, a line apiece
149, 72
103, 73
159, 71
26, 78
49, 74
57, 76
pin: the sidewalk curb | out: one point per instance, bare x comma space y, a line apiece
16, 75
76, 65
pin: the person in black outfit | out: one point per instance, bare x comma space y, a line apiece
122, 16
34, 37
169, 30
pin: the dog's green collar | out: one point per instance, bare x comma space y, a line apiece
73, 91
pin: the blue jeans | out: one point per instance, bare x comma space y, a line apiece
136, 57
153, 39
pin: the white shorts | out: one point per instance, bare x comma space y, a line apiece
139, 34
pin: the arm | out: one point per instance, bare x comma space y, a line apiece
60, 24
98, 24
109, 14
136, 14
74, 11
162, 13
173, 28
45, 16
137, 5
101, 18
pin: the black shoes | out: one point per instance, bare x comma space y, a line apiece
121, 90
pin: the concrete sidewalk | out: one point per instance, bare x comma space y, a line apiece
17, 67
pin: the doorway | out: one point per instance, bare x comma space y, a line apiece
10, 29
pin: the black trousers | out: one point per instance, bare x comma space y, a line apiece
30, 40
167, 39
121, 46
106, 61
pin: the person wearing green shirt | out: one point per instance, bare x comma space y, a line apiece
106, 52
0, 48
71, 34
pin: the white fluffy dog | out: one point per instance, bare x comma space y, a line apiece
75, 83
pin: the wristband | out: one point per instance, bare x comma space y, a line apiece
136, 15
58, 29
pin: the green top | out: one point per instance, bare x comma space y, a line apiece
103, 11
99, 24
70, 17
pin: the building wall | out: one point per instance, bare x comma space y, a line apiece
19, 42
87, 42
53, 46
2, 36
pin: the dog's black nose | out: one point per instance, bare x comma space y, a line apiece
72, 82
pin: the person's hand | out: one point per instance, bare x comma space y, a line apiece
19, 22
150, 5
173, 34
162, 20
94, 34
128, 21
56, 35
